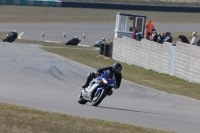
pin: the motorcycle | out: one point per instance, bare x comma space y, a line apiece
73, 41
9, 38
98, 89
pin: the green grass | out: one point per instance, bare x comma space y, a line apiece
31, 14
16, 119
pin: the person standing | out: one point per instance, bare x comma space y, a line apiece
134, 31
194, 39
149, 28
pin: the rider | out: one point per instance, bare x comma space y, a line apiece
116, 68
14, 34
75, 40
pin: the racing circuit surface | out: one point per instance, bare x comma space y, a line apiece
93, 32
38, 79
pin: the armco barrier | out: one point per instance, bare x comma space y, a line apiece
130, 7
51, 3
10, 2
23, 2
101, 5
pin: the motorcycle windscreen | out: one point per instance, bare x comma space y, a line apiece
109, 77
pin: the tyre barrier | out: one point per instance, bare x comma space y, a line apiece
110, 50
50, 3
106, 50
101, 49
98, 5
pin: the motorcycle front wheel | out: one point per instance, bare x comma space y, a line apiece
97, 99
81, 100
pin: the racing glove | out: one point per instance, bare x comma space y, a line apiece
97, 74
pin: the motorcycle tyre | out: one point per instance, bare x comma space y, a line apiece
100, 97
81, 99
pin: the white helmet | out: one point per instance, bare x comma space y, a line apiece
15, 31
103, 39
76, 37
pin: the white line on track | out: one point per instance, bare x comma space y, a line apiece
51, 41
83, 45
20, 35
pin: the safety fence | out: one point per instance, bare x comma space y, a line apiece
144, 7
52, 3
147, 2
195, 7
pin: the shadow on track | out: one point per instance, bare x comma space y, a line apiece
126, 110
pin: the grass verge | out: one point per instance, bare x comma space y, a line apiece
34, 14
16, 119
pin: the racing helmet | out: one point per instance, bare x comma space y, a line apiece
117, 67
75, 37
103, 39
15, 31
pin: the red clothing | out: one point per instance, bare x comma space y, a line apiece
133, 35
149, 28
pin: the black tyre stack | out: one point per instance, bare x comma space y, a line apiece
101, 49
106, 50
110, 50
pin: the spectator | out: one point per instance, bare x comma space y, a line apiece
133, 33
131, 29
149, 28
154, 36
138, 36
168, 37
134, 36
160, 38
198, 42
194, 39
183, 39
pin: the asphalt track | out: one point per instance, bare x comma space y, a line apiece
38, 79
93, 32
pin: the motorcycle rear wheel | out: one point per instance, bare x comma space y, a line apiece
97, 100
81, 99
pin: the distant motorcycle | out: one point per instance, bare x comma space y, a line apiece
9, 38
98, 89
73, 41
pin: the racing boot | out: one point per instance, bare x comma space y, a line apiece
84, 86
89, 78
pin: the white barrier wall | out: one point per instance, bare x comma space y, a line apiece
187, 62
180, 60
147, 54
